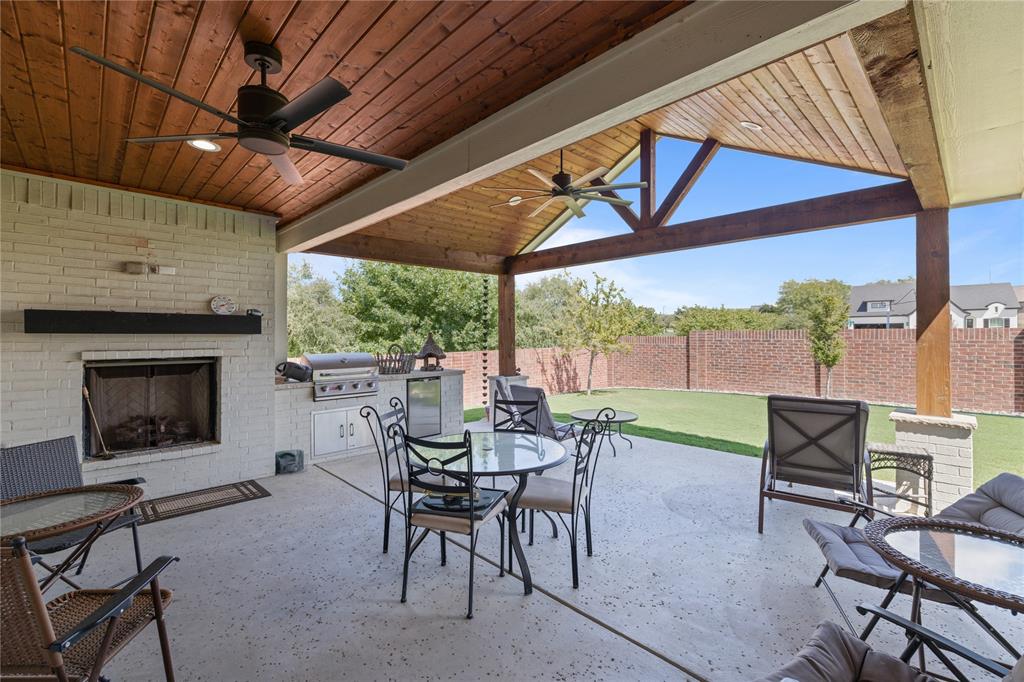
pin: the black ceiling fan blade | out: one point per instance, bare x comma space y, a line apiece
312, 145
607, 188
317, 99
155, 84
181, 138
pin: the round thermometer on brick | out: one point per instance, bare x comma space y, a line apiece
223, 305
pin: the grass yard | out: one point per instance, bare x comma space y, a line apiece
737, 423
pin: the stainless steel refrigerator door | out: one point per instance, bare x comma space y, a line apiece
424, 400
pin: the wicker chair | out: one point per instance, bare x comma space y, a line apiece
52, 465
73, 636
571, 498
451, 503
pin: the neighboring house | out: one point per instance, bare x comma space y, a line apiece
894, 306
1019, 290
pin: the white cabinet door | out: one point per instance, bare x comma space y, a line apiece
330, 432
359, 432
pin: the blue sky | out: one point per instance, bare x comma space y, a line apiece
986, 241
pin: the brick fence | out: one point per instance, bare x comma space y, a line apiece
987, 366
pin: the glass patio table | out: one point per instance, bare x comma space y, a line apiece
967, 561
44, 515
511, 453
618, 418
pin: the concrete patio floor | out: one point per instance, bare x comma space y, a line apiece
681, 586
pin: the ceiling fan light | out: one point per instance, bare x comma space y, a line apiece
204, 145
515, 201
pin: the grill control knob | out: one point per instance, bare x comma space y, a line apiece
323, 389
355, 385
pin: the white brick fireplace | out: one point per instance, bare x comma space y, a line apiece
64, 246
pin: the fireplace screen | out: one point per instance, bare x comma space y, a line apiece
148, 404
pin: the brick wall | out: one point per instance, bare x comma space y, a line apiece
63, 245
879, 365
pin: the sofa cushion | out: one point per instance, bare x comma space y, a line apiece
997, 504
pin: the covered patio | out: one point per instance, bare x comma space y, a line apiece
680, 586
114, 255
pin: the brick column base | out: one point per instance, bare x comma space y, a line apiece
949, 440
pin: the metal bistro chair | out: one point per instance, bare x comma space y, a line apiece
73, 636
52, 465
819, 443
546, 424
455, 504
392, 469
570, 498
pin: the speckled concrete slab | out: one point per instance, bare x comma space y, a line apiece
295, 587
679, 566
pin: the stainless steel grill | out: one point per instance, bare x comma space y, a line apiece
342, 375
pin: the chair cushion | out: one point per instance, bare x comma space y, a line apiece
997, 504
848, 555
547, 493
398, 481
425, 517
834, 655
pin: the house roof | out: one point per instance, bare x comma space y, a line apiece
904, 299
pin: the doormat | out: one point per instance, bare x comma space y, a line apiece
163, 508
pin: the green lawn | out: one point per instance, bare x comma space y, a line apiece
736, 423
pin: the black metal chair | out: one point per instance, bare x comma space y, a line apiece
451, 503
571, 498
818, 443
52, 465
516, 415
392, 469
546, 424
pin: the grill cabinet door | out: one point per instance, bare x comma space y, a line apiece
330, 432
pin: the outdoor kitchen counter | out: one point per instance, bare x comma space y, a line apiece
283, 384
295, 410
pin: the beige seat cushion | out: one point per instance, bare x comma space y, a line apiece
549, 494
456, 524
399, 480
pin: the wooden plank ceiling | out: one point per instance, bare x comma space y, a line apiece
419, 73
816, 105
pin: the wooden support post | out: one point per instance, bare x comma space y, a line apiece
934, 389
506, 325
686, 181
647, 194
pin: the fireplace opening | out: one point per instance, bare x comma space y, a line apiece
134, 405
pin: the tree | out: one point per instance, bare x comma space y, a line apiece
828, 317
699, 318
403, 303
542, 312
796, 299
600, 316
317, 322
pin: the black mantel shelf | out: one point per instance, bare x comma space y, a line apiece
111, 322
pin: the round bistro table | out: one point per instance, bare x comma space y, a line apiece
517, 454
967, 561
619, 418
43, 515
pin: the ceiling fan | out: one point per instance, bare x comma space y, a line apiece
562, 188
265, 116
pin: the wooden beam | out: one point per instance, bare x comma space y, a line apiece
647, 170
693, 49
934, 392
627, 214
686, 181
506, 325
896, 200
888, 49
411, 253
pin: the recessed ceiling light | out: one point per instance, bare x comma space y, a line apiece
750, 125
205, 145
